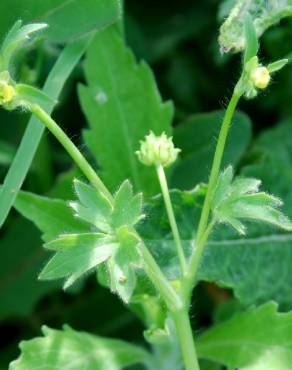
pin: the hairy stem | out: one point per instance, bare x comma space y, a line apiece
203, 229
171, 218
73, 151
186, 340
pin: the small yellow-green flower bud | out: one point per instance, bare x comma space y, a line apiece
157, 150
260, 77
7, 93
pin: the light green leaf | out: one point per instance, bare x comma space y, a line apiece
264, 14
196, 137
52, 216
77, 350
67, 20
122, 104
76, 255
230, 204
248, 338
276, 66
30, 94
93, 207
270, 360
127, 207
15, 37
6, 153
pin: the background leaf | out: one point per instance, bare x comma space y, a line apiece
196, 137
68, 20
86, 351
248, 338
122, 104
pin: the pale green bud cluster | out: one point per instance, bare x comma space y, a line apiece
157, 150
260, 77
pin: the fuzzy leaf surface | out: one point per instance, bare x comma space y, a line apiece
264, 14
69, 349
122, 104
249, 338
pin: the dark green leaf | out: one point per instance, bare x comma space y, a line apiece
76, 350
196, 137
67, 20
122, 104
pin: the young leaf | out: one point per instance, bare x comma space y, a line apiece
30, 94
249, 337
77, 254
15, 37
127, 207
251, 40
122, 104
93, 206
232, 202
67, 348
276, 66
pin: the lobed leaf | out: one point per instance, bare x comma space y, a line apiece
122, 104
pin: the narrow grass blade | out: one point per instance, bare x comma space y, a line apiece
32, 136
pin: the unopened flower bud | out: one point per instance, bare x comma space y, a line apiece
260, 77
7, 91
157, 150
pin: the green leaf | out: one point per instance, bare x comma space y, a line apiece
32, 95
77, 350
264, 14
21, 261
67, 20
15, 37
93, 207
6, 153
246, 265
196, 136
250, 338
76, 255
127, 207
32, 136
251, 40
233, 201
52, 216
122, 104
276, 66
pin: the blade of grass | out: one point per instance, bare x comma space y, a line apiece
33, 134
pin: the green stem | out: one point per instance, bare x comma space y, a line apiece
203, 229
186, 340
171, 217
73, 151
158, 279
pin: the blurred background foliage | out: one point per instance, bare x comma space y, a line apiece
180, 42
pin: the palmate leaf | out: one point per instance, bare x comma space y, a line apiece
69, 349
250, 339
122, 104
77, 254
239, 199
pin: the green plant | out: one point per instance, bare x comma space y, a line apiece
113, 231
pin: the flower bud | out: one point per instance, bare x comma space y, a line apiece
260, 77
157, 150
7, 91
